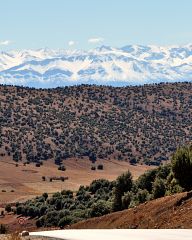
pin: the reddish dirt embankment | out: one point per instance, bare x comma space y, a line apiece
168, 212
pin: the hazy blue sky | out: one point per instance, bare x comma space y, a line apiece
88, 23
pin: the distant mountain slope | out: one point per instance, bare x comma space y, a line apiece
135, 124
132, 64
167, 212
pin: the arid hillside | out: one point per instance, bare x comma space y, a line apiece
135, 124
168, 212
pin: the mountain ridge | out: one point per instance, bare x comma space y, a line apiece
105, 65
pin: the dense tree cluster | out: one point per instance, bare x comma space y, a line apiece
136, 124
99, 198
67, 207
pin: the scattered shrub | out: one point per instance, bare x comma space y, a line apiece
8, 208
45, 195
93, 168
3, 229
100, 167
62, 168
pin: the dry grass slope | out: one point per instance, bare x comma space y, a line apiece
25, 182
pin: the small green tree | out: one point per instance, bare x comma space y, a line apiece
99, 208
64, 221
117, 201
100, 167
20, 209
124, 184
42, 210
126, 200
93, 168
145, 181
8, 208
3, 229
142, 195
40, 222
182, 166
158, 188
92, 157
45, 195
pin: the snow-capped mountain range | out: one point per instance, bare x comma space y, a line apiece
129, 65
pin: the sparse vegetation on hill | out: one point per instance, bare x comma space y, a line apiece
136, 124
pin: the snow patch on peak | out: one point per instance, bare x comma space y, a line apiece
131, 64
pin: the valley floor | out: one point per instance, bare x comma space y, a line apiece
24, 182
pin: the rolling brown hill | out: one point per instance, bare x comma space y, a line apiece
168, 212
20, 183
135, 124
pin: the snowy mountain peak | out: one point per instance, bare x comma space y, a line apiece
131, 64
104, 48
